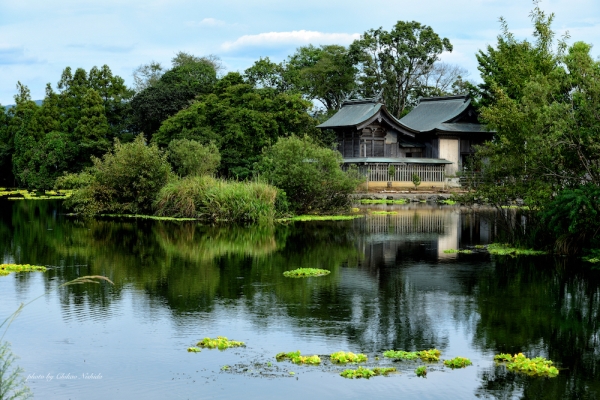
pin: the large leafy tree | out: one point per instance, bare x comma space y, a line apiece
174, 91
7, 144
395, 62
241, 120
324, 73
542, 99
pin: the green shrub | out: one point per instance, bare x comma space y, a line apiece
310, 175
217, 200
189, 157
125, 181
74, 181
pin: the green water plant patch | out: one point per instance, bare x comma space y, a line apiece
194, 350
367, 373
430, 355
342, 357
449, 202
6, 269
384, 212
454, 251
537, 366
501, 249
296, 358
305, 272
421, 371
304, 218
383, 201
457, 362
221, 343
401, 354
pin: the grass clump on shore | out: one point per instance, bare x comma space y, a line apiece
342, 357
221, 343
538, 366
383, 201
425, 355
366, 373
213, 199
458, 362
296, 358
6, 269
306, 272
454, 251
421, 371
501, 249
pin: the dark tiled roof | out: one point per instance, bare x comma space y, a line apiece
434, 111
352, 113
387, 160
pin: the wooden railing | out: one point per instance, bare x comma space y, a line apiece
403, 173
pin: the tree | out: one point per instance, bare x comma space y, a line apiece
543, 104
173, 92
266, 74
7, 144
310, 175
241, 120
147, 75
323, 73
396, 61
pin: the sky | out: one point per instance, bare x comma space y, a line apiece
39, 38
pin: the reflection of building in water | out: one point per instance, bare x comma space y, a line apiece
422, 233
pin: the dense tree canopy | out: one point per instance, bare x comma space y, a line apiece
241, 120
396, 61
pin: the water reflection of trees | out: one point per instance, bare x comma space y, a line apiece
546, 307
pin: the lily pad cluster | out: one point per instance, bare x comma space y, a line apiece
342, 357
296, 358
6, 269
537, 366
220, 342
367, 373
306, 272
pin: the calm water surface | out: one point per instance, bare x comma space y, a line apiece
391, 286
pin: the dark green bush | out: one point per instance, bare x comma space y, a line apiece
125, 181
189, 157
310, 175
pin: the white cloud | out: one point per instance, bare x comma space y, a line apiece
208, 22
274, 39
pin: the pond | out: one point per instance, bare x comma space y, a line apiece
391, 286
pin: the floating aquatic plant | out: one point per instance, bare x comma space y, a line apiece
384, 212
383, 201
342, 357
221, 343
453, 251
457, 362
6, 269
505, 250
538, 366
401, 355
367, 373
304, 218
430, 355
448, 202
421, 371
296, 358
305, 272
194, 349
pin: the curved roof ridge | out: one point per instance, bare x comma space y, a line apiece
433, 111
